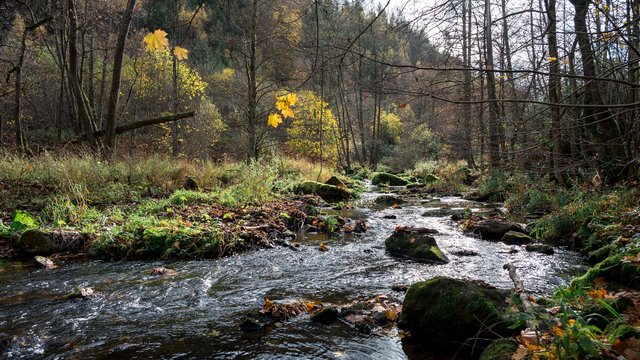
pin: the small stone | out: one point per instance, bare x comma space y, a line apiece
326, 316
390, 217
540, 248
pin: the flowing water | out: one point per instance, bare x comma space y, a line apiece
196, 313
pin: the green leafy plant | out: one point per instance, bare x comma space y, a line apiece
22, 221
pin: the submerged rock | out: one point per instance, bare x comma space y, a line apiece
388, 179
442, 311
325, 191
540, 248
494, 229
46, 262
415, 244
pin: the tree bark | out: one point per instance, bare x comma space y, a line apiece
494, 134
554, 91
118, 56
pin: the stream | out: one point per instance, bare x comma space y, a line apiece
196, 313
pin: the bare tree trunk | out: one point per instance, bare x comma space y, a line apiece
175, 128
82, 107
467, 149
21, 143
118, 56
494, 134
554, 91
252, 91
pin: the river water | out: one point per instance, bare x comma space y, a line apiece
196, 313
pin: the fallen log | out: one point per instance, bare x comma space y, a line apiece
142, 123
521, 292
147, 122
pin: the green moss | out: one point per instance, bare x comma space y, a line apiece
613, 270
501, 349
380, 178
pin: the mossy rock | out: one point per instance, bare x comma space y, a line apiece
458, 214
442, 311
325, 191
614, 271
415, 244
516, 238
388, 200
501, 349
495, 230
388, 179
335, 181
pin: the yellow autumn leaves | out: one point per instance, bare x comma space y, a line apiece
157, 41
283, 104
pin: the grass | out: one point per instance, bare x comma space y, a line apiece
131, 207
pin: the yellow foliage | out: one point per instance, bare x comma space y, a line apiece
156, 41
274, 120
313, 131
180, 53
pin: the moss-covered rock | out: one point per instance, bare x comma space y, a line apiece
516, 238
494, 229
388, 200
325, 191
614, 271
501, 349
388, 179
620, 330
335, 181
415, 244
442, 311
444, 213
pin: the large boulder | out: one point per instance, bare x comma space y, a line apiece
388, 179
442, 311
325, 191
495, 229
415, 244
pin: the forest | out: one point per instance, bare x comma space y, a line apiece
328, 179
